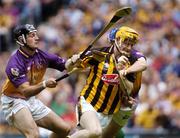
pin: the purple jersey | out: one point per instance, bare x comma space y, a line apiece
24, 68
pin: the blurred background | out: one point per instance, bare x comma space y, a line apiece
66, 27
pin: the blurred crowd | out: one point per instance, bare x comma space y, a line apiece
66, 27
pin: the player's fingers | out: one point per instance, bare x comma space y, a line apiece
51, 83
123, 59
75, 58
123, 72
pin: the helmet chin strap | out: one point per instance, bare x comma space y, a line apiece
24, 44
117, 46
119, 50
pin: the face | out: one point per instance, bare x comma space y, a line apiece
124, 47
32, 40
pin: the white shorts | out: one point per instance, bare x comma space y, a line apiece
11, 106
120, 117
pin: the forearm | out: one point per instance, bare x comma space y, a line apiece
139, 65
125, 84
31, 90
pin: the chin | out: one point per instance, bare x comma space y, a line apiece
35, 47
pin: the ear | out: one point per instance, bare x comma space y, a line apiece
22, 39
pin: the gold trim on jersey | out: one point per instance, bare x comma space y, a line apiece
136, 84
24, 54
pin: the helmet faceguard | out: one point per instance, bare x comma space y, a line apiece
21, 31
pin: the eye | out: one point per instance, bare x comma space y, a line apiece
32, 35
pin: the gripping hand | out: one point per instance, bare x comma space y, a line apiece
73, 62
122, 65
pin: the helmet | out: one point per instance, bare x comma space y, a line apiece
127, 33
23, 30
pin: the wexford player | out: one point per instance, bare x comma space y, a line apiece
25, 71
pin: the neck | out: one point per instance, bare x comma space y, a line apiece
28, 50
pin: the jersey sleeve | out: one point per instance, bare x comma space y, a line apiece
55, 61
16, 73
89, 60
136, 55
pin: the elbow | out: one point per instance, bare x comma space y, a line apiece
144, 67
25, 93
140, 65
143, 64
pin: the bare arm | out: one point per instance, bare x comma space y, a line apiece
139, 65
31, 90
125, 84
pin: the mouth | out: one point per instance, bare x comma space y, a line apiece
36, 42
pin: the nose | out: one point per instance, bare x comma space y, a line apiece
129, 47
36, 37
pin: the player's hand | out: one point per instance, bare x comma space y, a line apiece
131, 102
73, 62
50, 83
75, 58
122, 63
123, 72
123, 59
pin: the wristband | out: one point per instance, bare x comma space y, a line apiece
44, 84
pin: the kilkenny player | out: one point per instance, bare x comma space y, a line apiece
107, 100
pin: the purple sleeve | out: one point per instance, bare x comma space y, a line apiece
55, 61
138, 54
135, 55
16, 72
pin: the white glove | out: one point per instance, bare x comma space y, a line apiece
75, 58
123, 72
71, 62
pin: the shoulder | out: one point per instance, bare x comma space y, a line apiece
15, 58
39, 51
15, 64
137, 54
46, 53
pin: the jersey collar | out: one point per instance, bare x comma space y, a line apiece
24, 53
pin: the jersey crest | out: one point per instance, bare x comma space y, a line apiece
112, 79
15, 71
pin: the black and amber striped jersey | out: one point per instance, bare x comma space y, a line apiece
105, 97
